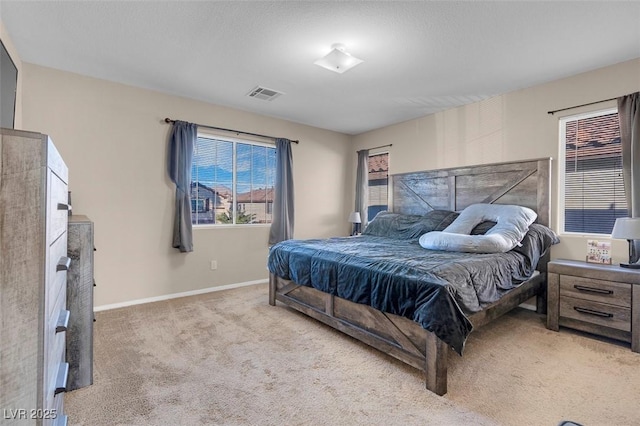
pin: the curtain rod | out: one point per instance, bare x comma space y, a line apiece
168, 120
381, 146
578, 106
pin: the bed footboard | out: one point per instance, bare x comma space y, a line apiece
399, 337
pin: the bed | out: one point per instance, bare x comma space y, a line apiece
410, 309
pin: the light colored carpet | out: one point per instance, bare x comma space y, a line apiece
228, 358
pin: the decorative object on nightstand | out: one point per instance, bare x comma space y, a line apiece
599, 252
628, 228
596, 298
354, 218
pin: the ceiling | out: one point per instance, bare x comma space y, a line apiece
419, 57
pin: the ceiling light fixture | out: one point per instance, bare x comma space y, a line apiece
338, 60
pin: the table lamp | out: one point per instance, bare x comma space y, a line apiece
354, 218
628, 228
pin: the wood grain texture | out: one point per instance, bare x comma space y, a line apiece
602, 291
30, 285
598, 299
524, 183
553, 301
436, 362
595, 313
635, 319
594, 271
596, 329
396, 336
80, 281
513, 298
22, 271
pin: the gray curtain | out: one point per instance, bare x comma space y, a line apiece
181, 142
362, 186
283, 214
629, 115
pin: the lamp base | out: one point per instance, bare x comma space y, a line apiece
630, 265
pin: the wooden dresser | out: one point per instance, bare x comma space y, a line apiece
599, 299
80, 284
33, 279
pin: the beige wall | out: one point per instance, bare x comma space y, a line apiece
113, 140
8, 44
513, 126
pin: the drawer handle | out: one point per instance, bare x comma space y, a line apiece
63, 206
61, 379
592, 289
63, 321
593, 312
63, 264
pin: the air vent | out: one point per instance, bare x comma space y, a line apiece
264, 93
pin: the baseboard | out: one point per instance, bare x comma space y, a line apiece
529, 304
176, 295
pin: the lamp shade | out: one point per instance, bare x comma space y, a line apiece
354, 217
626, 228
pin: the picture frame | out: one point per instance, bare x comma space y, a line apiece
599, 252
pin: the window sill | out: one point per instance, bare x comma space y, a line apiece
256, 225
583, 235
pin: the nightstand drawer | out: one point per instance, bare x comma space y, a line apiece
609, 292
596, 313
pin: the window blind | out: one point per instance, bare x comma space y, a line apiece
378, 179
232, 182
594, 187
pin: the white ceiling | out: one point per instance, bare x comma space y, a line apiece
419, 57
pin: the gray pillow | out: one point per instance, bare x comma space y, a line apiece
407, 227
391, 225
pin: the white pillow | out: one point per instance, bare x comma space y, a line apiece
512, 224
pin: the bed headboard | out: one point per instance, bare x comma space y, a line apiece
525, 183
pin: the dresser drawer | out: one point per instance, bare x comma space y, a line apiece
57, 416
55, 369
596, 313
609, 292
52, 322
58, 213
56, 279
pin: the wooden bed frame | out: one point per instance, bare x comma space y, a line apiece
525, 183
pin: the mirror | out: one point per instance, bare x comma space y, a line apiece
8, 85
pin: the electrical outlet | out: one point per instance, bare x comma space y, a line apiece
214, 265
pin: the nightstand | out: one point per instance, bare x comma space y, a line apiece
598, 299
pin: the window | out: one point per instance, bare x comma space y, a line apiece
591, 155
378, 183
200, 205
232, 181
